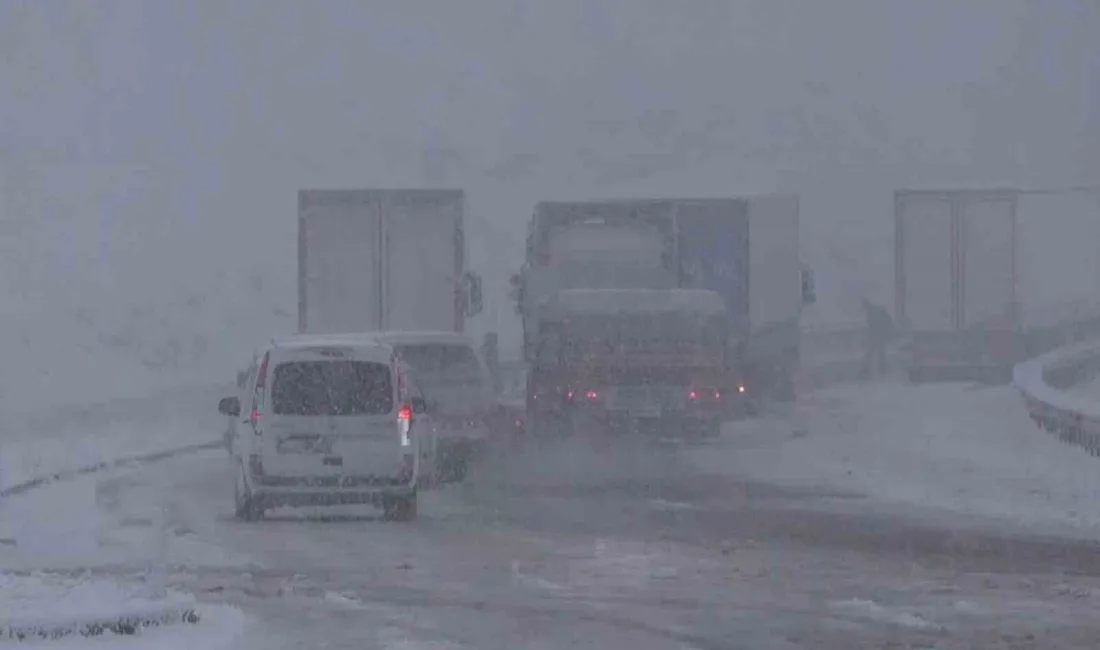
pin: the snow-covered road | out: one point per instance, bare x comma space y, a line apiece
878, 521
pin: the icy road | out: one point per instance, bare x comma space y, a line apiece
875, 516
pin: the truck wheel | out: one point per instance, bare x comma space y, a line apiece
399, 508
246, 507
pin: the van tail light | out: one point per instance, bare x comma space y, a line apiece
257, 398
404, 423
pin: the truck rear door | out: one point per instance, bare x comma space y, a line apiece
925, 262
423, 233
339, 250
987, 243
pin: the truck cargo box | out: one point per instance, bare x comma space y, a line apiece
381, 260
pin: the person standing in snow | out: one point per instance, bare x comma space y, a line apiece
880, 328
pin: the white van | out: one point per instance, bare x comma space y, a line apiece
326, 420
457, 386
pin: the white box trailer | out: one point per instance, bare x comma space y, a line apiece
985, 278
383, 259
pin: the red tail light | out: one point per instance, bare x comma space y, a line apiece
693, 396
257, 398
592, 395
404, 423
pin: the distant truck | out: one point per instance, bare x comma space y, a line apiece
743, 251
987, 278
383, 259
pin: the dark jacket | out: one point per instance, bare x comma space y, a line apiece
880, 326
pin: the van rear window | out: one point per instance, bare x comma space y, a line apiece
332, 388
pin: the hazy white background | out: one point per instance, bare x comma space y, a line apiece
150, 152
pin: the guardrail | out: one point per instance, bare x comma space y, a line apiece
1042, 382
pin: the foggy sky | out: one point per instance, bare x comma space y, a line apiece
150, 152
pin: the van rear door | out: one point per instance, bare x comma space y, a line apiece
331, 413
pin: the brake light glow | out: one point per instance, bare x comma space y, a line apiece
404, 423
256, 414
592, 395
693, 396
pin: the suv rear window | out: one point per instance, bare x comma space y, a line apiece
332, 388
441, 359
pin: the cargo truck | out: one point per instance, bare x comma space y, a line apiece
382, 259
744, 252
594, 297
987, 278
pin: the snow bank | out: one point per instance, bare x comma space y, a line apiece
51, 610
948, 447
45, 442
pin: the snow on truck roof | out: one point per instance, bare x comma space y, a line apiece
636, 301
409, 337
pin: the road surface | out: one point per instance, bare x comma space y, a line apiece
647, 549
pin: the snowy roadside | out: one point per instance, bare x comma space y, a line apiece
954, 448
69, 438
54, 612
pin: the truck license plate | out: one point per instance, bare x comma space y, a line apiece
646, 411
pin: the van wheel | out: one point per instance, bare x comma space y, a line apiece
246, 508
399, 508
